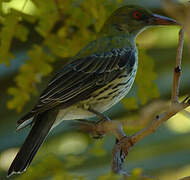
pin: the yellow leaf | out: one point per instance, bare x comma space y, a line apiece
146, 75
130, 103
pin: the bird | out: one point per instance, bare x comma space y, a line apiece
98, 77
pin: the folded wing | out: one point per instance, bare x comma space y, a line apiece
79, 79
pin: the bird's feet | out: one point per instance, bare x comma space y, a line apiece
96, 129
103, 126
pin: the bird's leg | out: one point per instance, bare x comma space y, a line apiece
98, 114
103, 126
122, 144
99, 129
90, 127
95, 128
106, 125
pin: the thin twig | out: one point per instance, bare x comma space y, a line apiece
122, 148
172, 110
177, 69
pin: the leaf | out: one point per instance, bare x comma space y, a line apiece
130, 103
21, 32
23, 16
49, 167
6, 1
47, 16
30, 74
147, 88
6, 36
73, 160
137, 174
110, 176
97, 149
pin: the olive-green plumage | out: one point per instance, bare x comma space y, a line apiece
100, 75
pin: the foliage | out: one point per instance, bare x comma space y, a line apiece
55, 169
7, 33
58, 171
29, 75
57, 23
97, 149
64, 26
130, 103
147, 89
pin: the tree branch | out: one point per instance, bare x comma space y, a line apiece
177, 69
121, 149
123, 145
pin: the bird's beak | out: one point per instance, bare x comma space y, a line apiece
162, 20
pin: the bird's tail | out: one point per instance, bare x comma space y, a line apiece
42, 125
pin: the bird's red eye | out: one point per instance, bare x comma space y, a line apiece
137, 15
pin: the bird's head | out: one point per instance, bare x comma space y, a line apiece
132, 20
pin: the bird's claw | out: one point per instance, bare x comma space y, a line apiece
93, 128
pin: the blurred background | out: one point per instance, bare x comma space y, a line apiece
37, 37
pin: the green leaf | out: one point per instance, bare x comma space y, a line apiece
30, 73
97, 149
6, 1
47, 16
110, 176
6, 36
21, 32
49, 167
137, 174
146, 75
130, 103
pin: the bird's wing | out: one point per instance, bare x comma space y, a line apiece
82, 77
